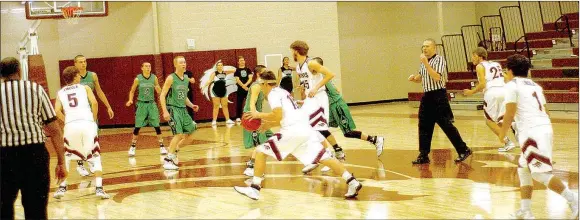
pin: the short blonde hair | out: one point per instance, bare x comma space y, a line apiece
481, 52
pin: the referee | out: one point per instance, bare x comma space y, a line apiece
435, 106
24, 160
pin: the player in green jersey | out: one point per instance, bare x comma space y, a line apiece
173, 105
147, 112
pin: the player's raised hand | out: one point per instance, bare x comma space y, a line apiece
311, 94
111, 113
129, 103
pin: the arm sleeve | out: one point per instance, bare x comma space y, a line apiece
440, 65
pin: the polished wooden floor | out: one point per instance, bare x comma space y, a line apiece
485, 186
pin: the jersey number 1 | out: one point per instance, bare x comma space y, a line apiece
535, 95
72, 100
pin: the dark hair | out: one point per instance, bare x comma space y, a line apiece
69, 74
319, 60
285, 58
301, 47
78, 56
241, 57
9, 66
268, 75
142, 64
518, 64
259, 68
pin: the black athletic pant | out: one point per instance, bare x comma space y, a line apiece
435, 108
241, 95
24, 169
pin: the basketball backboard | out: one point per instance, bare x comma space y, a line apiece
52, 9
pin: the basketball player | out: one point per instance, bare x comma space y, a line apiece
526, 102
254, 101
313, 78
218, 93
296, 137
491, 81
147, 112
80, 131
182, 126
285, 79
340, 117
90, 79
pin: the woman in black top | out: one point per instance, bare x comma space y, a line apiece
218, 93
285, 76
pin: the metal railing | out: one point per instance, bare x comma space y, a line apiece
509, 28
455, 52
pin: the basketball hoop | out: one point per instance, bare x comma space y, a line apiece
72, 14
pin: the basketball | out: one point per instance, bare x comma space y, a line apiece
251, 124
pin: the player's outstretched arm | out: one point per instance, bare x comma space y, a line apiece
93, 102
132, 92
164, 91
102, 96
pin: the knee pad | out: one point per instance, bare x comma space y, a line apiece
158, 130
136, 131
325, 133
525, 177
353, 134
543, 178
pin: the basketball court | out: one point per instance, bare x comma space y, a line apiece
485, 186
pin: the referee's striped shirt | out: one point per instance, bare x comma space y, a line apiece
25, 109
438, 64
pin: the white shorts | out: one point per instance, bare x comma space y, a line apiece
536, 144
493, 106
81, 141
301, 141
317, 109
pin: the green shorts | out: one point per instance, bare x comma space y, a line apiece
340, 116
254, 138
180, 121
147, 113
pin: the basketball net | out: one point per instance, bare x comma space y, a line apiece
72, 14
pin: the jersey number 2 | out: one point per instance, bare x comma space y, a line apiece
496, 73
72, 100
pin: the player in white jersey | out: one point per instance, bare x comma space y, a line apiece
491, 82
313, 79
80, 130
296, 137
525, 100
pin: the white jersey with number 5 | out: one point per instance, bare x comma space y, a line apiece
75, 103
530, 101
291, 114
307, 79
493, 74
